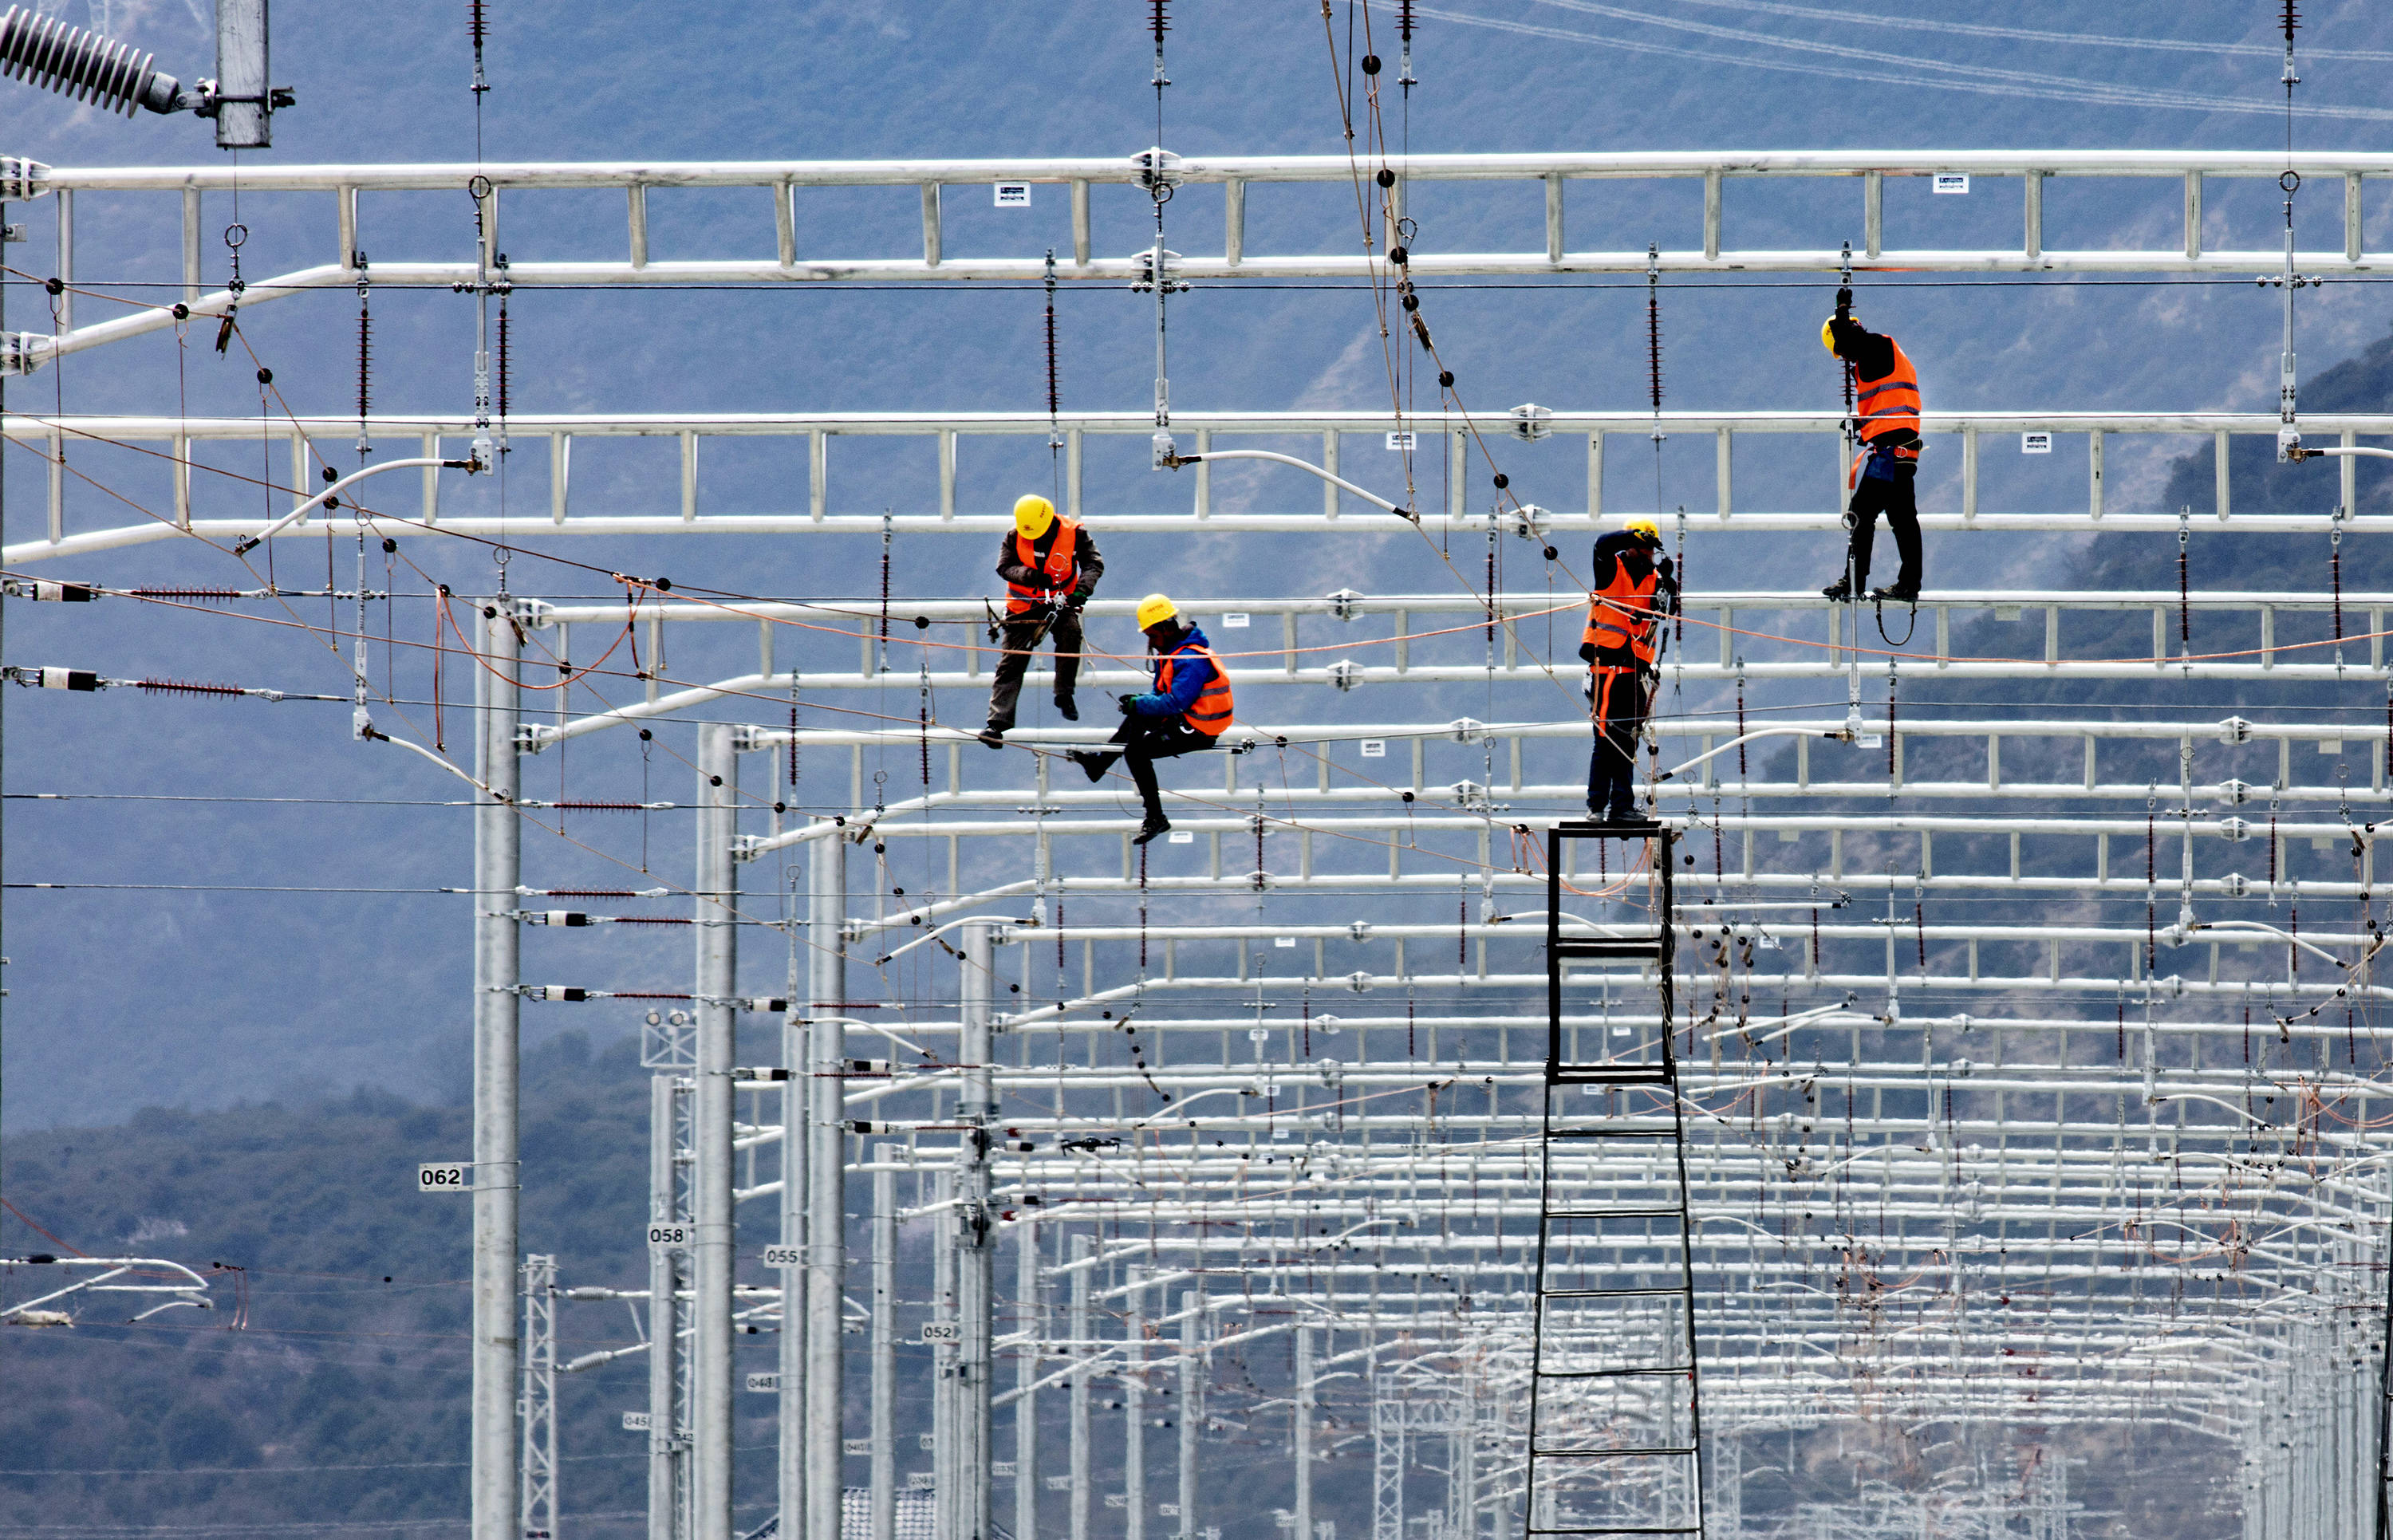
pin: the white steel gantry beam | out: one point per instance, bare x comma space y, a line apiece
1572, 503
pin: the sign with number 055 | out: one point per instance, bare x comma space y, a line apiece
782, 1255
941, 1331
441, 1176
672, 1236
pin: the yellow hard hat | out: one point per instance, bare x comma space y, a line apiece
1828, 330
1642, 523
1155, 608
1032, 515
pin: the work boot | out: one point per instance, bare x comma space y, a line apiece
1841, 590
1094, 764
1624, 813
1069, 712
1900, 593
993, 736
1155, 824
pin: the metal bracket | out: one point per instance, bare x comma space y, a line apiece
23, 352
21, 179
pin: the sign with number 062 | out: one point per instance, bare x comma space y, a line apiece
441, 1176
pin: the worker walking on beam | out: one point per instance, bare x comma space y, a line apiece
1886, 402
1050, 566
1631, 586
1186, 712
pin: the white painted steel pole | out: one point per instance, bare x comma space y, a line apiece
884, 1343
827, 1185
975, 1250
1192, 1334
1031, 1313
498, 856
664, 1314
713, 1261
1304, 1415
790, 1410
1083, 1248
1135, 1407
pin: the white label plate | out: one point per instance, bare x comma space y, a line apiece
2035, 443
1375, 747
941, 1331
1953, 181
767, 1384
1016, 195
635, 1422
782, 1255
672, 1236
441, 1176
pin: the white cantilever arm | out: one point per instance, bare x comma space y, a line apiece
1372, 497
246, 544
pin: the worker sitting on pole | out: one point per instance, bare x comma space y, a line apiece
1187, 710
1627, 592
1885, 405
1050, 567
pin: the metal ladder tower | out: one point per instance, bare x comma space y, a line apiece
1615, 1429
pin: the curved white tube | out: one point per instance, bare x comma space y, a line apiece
1372, 497
250, 542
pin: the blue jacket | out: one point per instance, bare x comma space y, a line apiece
1189, 677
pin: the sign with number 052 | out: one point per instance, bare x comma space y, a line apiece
941, 1331
441, 1176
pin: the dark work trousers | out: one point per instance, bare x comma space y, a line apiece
1619, 711
1015, 662
1890, 495
1143, 741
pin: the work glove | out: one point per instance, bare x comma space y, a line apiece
1129, 704
1844, 305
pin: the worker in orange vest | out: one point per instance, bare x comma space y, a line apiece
1632, 585
1886, 402
1050, 567
1186, 712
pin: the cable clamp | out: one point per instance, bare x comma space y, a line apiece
21, 179
23, 352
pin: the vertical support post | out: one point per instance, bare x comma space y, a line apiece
688, 476
183, 480
1304, 1441
1192, 1336
1234, 220
713, 1258
826, 1181
2193, 215
65, 269
1458, 454
2094, 474
1595, 474
345, 201
1032, 1313
885, 1344
790, 1414
1204, 474
1968, 474
537, 1410
1080, 224
2351, 216
245, 77
1072, 472
1329, 464
1722, 455
975, 1256
1872, 214
1711, 252
931, 239
1553, 216
817, 474
2218, 472
2034, 241
946, 473
497, 868
785, 224
636, 214
666, 1452
1082, 1247
560, 475
191, 245
1134, 1408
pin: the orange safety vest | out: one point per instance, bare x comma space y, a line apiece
1604, 700
1061, 569
1889, 405
1210, 714
1622, 614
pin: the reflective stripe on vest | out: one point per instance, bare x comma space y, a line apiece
1610, 621
1210, 713
1062, 569
1890, 403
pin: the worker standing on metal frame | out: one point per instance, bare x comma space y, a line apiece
1050, 566
1886, 407
1187, 711
1632, 584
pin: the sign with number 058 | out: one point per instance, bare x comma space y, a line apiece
672, 1235
440, 1176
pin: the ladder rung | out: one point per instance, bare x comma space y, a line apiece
1612, 1075
1607, 946
1635, 828
1653, 1453
1596, 1529
1607, 1293
1617, 1214
1614, 1133
1612, 1373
